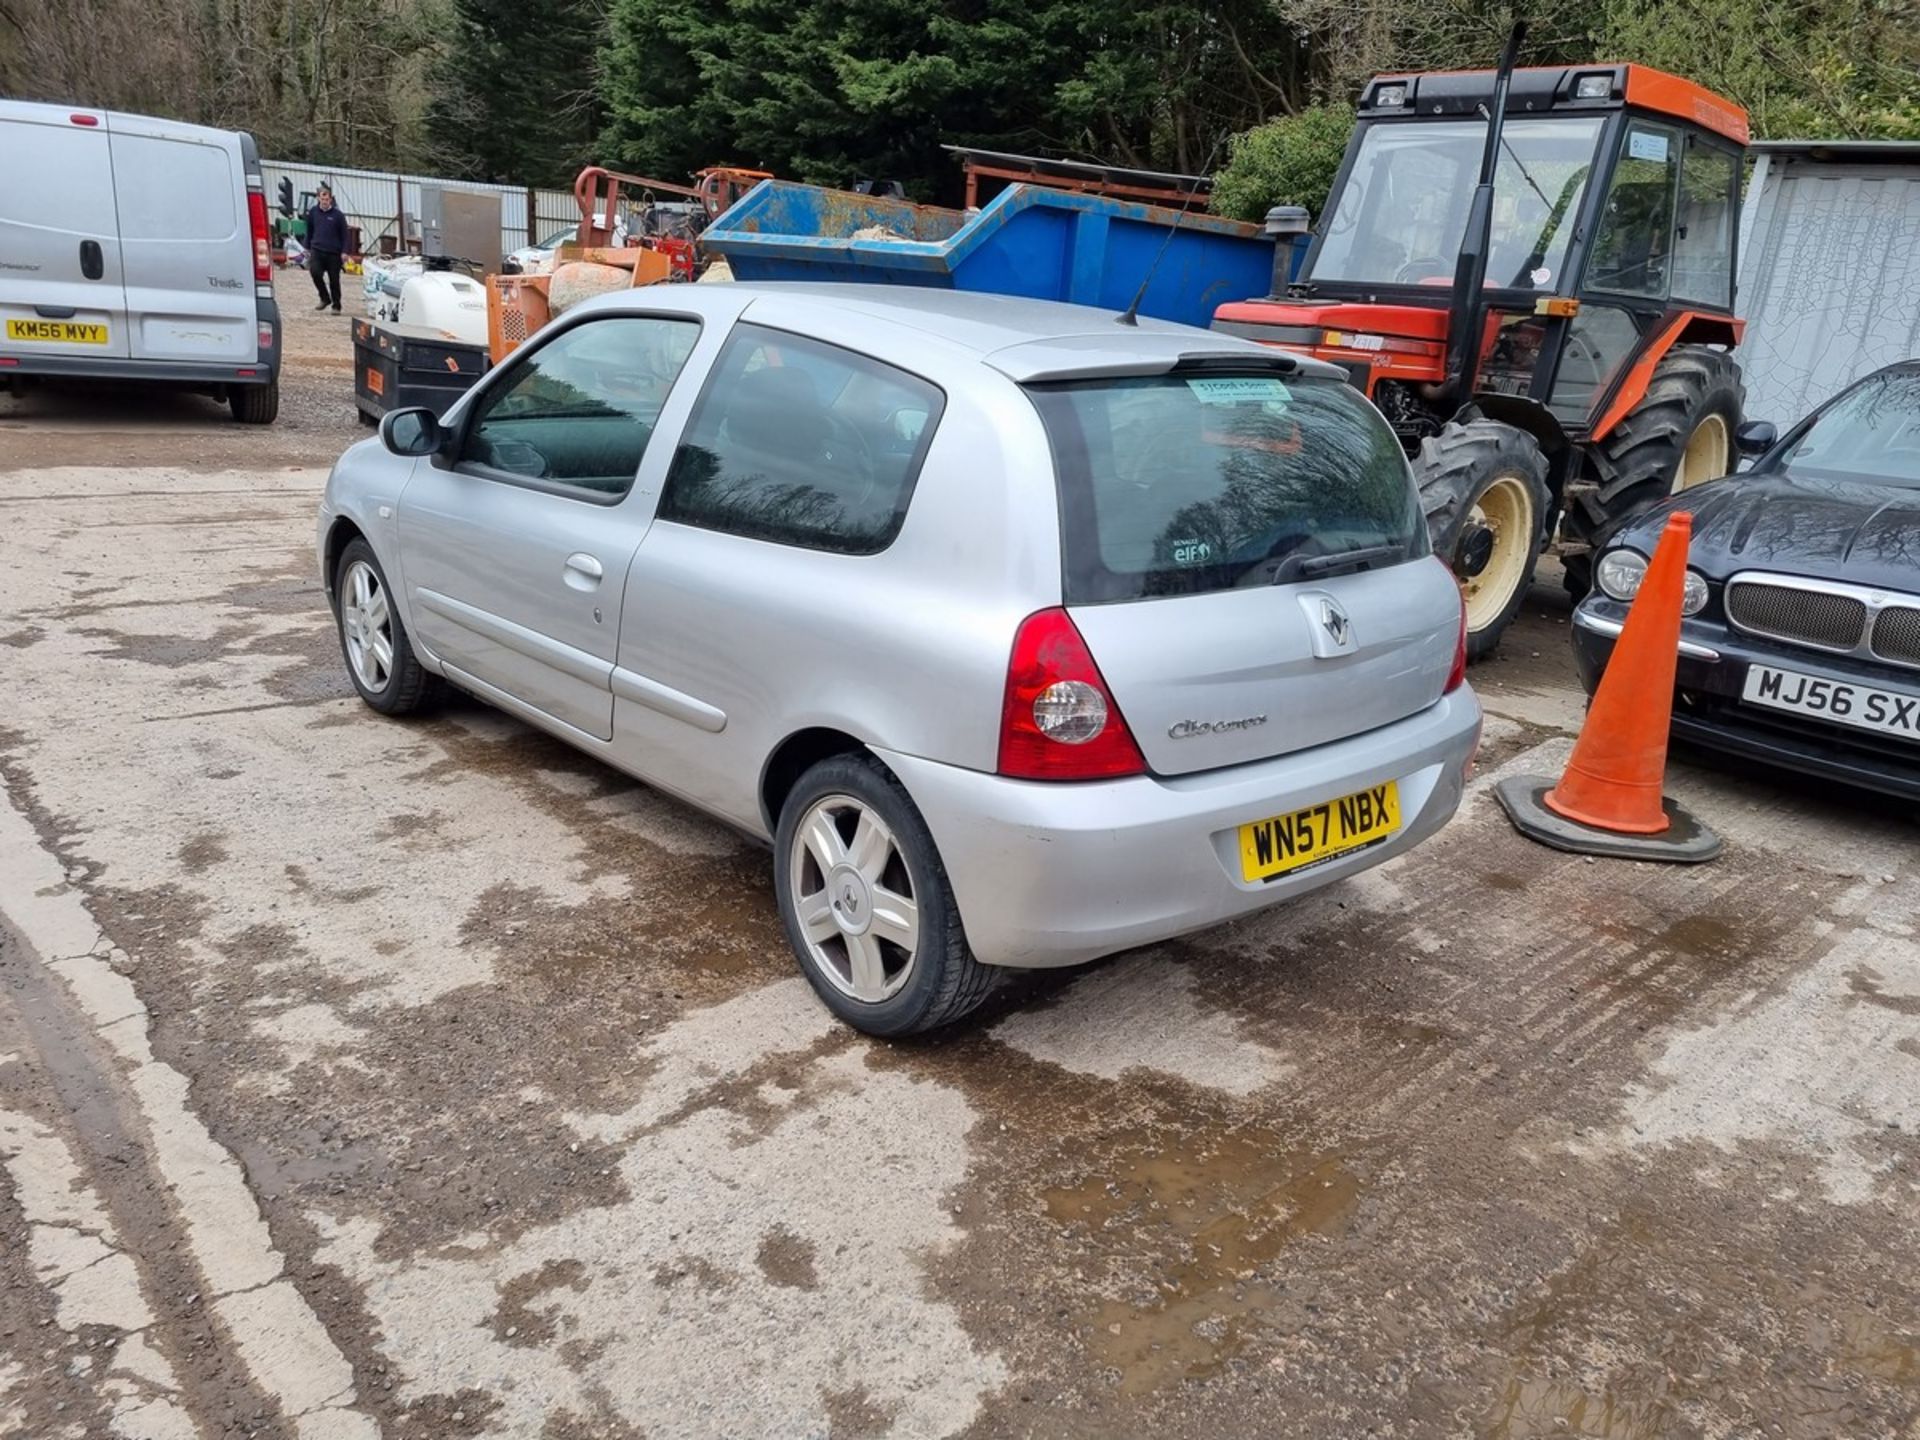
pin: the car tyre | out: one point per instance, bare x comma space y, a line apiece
373, 641
255, 404
850, 846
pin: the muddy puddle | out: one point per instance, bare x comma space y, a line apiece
1215, 1210
1536, 1409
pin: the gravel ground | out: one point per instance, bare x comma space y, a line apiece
428, 1079
118, 425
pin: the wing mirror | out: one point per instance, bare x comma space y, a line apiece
414, 431
1755, 437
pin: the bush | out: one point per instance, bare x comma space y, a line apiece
1285, 162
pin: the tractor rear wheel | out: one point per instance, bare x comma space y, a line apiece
1679, 435
1483, 486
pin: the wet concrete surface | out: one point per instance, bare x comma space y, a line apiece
550, 1138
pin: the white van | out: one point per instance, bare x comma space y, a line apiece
136, 248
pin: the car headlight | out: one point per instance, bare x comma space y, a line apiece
1620, 572
1694, 598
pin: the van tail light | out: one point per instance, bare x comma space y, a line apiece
1060, 721
262, 244
1457, 676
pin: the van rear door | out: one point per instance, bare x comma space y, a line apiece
186, 242
61, 292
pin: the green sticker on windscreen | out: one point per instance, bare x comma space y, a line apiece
1239, 390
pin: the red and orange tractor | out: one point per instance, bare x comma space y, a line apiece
1531, 274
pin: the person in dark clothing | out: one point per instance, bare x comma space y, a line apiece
326, 246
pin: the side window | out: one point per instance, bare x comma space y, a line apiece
802, 443
1633, 245
1703, 238
576, 414
1600, 340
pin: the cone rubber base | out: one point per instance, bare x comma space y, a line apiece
1684, 842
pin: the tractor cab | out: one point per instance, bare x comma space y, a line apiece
1507, 261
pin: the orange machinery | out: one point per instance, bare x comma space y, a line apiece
518, 305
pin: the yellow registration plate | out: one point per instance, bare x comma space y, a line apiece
1307, 837
60, 332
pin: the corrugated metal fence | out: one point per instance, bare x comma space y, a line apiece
1829, 270
374, 199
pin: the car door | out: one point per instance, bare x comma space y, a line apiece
186, 242
794, 469
515, 545
61, 292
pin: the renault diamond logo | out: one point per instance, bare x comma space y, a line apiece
1339, 629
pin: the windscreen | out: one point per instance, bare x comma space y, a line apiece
1402, 213
1186, 484
1871, 433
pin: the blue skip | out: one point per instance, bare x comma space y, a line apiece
1029, 240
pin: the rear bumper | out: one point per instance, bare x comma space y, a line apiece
264, 370
158, 371
1049, 875
1708, 711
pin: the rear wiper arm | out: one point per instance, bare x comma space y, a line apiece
1313, 567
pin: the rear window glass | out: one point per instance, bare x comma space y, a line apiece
1188, 483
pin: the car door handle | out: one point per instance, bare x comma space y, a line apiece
92, 263
583, 571
55, 312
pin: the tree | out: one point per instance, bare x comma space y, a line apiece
329, 80
1291, 161
1811, 69
515, 90
836, 90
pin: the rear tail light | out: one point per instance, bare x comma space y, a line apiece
1059, 721
266, 338
262, 246
1457, 676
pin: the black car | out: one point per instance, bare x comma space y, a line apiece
1801, 645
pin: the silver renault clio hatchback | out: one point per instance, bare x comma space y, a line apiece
1025, 635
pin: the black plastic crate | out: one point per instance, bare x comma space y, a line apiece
395, 366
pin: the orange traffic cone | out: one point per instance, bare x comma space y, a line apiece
1609, 801
1613, 778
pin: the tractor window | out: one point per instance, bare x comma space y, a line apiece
1703, 240
1633, 246
1601, 339
1402, 213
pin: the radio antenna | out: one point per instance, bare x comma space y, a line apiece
1131, 316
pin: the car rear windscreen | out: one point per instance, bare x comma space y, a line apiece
1183, 484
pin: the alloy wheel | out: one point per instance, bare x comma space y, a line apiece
854, 898
366, 623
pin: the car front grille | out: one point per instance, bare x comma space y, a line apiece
1802, 617
1896, 635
